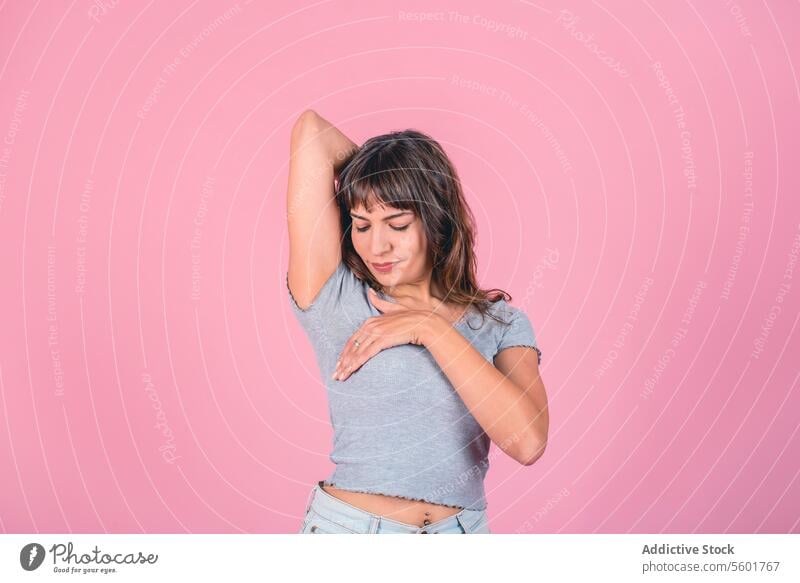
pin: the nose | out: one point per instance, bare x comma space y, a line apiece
380, 242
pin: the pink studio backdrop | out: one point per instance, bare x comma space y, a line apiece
633, 171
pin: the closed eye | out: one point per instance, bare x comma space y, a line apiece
403, 228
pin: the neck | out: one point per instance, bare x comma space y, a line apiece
419, 292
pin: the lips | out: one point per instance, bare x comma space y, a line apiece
384, 267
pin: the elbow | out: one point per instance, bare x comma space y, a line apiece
305, 121
307, 132
533, 450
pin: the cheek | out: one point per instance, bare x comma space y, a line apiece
359, 241
418, 241
407, 243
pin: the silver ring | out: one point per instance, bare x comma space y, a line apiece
357, 343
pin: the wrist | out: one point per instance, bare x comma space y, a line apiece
433, 326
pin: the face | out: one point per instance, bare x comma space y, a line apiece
394, 236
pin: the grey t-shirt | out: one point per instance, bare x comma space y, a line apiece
399, 426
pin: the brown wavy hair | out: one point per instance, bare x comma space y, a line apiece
409, 170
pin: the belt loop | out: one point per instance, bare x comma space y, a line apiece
373, 524
310, 499
460, 519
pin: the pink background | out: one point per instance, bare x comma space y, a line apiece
152, 376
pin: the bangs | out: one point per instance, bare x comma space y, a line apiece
367, 183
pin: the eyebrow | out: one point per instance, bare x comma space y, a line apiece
384, 218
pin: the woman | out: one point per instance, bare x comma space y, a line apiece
423, 368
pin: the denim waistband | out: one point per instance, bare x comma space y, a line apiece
322, 501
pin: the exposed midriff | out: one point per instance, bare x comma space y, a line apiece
412, 512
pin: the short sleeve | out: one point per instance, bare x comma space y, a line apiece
518, 333
325, 302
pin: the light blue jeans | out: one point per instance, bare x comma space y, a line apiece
326, 514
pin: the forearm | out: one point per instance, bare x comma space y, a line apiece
509, 417
312, 130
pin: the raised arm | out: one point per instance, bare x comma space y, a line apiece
318, 151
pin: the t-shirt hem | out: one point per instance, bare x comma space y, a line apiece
536, 348
398, 495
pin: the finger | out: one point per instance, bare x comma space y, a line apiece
354, 356
370, 343
363, 345
343, 367
344, 356
349, 345
361, 358
362, 334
